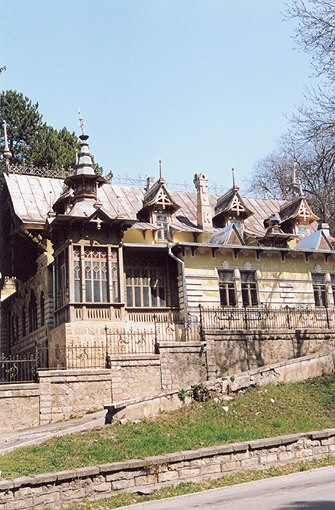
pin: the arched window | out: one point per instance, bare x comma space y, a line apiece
32, 312
42, 308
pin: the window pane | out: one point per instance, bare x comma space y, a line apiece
77, 296
88, 291
138, 296
153, 296
145, 296
129, 296
226, 276
245, 296
97, 295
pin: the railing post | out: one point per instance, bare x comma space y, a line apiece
245, 317
108, 362
35, 367
327, 318
202, 335
156, 333
288, 317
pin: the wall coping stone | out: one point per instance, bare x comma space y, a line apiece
43, 374
19, 386
132, 401
132, 357
273, 366
170, 345
268, 333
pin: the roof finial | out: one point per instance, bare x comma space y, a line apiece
235, 187
301, 193
160, 170
296, 188
81, 122
6, 152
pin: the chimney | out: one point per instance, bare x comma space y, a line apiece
150, 182
204, 210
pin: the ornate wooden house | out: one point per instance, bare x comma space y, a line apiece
89, 257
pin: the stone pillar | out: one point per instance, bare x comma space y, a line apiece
204, 210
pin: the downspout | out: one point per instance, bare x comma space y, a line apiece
182, 266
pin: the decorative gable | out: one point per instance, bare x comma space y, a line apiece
230, 206
295, 213
157, 200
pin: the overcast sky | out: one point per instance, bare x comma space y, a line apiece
203, 85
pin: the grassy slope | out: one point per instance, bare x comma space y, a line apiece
256, 413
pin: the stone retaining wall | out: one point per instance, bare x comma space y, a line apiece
62, 394
238, 351
19, 406
61, 488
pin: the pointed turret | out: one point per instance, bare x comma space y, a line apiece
85, 181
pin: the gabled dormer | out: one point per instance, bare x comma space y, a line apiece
296, 216
231, 209
158, 207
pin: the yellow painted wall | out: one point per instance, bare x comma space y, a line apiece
280, 282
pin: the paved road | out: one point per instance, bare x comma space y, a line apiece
310, 490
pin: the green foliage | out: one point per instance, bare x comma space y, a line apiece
53, 149
23, 123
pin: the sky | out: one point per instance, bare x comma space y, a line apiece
203, 85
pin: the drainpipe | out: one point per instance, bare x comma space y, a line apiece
182, 265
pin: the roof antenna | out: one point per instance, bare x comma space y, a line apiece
6, 152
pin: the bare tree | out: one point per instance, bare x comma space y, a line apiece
310, 142
314, 161
315, 32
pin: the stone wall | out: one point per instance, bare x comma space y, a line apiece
20, 406
183, 364
68, 393
95, 482
237, 351
135, 376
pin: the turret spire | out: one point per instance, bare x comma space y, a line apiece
235, 187
295, 184
6, 152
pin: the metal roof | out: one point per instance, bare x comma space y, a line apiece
32, 197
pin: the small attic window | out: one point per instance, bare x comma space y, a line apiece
163, 223
303, 229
